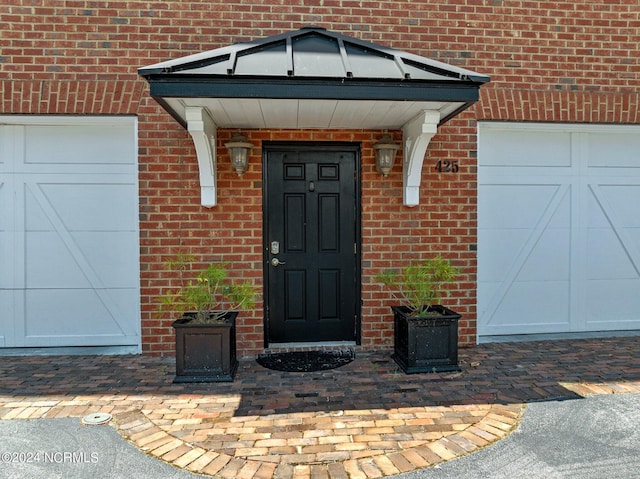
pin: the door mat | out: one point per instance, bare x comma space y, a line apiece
306, 361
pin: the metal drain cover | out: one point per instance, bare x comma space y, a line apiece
96, 418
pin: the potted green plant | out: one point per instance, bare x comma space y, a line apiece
208, 305
425, 332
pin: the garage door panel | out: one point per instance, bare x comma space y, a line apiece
6, 318
34, 216
531, 307
6, 260
80, 145
6, 240
613, 150
609, 300
504, 148
102, 262
607, 257
502, 248
50, 264
93, 256
107, 253
86, 313
537, 273
561, 217
613, 230
82, 310
549, 259
7, 146
98, 260
622, 200
534, 250
633, 235
104, 207
499, 246
514, 206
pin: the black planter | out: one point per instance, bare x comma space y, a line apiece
205, 352
426, 344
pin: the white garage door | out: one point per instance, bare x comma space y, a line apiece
559, 228
69, 256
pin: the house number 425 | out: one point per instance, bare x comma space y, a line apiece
447, 166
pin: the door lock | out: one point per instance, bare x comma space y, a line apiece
275, 247
276, 262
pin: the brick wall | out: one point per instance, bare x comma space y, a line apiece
172, 220
572, 61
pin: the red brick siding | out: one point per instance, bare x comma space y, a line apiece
572, 107
549, 61
570, 45
173, 220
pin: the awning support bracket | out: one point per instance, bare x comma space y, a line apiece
202, 129
417, 134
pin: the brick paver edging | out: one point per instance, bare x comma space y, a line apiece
356, 460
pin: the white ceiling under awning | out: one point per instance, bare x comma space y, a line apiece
297, 113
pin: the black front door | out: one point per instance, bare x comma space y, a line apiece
311, 243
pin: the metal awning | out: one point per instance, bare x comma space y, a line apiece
311, 78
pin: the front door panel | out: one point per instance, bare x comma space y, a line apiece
311, 245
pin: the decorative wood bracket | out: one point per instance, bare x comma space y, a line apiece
417, 134
203, 132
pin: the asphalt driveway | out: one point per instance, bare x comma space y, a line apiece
66, 449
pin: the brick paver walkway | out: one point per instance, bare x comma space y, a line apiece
364, 420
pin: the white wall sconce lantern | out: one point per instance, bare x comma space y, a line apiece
385, 151
239, 147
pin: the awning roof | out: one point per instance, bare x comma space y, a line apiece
328, 80
311, 78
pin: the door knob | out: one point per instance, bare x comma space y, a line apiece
276, 262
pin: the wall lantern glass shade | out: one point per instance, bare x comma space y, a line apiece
239, 147
385, 151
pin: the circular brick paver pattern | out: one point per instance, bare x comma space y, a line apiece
364, 420
340, 443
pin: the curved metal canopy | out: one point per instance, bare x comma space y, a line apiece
312, 78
